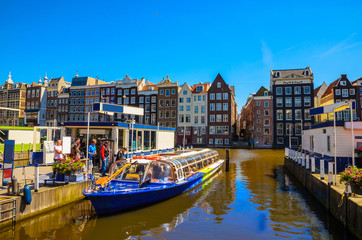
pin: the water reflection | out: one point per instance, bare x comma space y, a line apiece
256, 199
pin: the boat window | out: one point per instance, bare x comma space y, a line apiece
132, 172
159, 172
116, 166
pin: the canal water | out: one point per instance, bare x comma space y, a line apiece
256, 199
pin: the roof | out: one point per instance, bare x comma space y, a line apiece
330, 88
317, 90
261, 91
286, 72
204, 89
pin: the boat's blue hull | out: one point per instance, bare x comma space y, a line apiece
110, 202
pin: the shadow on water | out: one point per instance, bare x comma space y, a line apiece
256, 199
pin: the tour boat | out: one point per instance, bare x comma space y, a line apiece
147, 179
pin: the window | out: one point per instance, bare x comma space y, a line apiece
297, 102
266, 104
212, 118
196, 109
133, 91
126, 101
306, 90
199, 98
258, 112
202, 119
196, 119
351, 92
181, 108
266, 131
173, 102
218, 96
181, 100
119, 91
212, 106
279, 91
225, 118
212, 96
219, 130
298, 114
181, 118
184, 92
266, 123
288, 91
188, 108
212, 130
280, 129
288, 114
306, 114
141, 99
344, 92
218, 106
328, 143
280, 140
289, 129
265, 93
202, 109
307, 101
161, 92
257, 103
199, 88
173, 91
167, 92
279, 102
218, 118
219, 85
288, 102
297, 90
225, 106
298, 128
266, 112
225, 96
188, 100
188, 118
211, 142
343, 83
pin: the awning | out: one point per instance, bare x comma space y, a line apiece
95, 131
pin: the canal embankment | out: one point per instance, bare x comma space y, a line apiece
15, 208
346, 209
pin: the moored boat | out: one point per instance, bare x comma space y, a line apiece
148, 179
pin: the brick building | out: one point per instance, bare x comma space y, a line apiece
36, 103
167, 103
222, 113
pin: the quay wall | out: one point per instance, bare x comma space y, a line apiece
349, 213
47, 199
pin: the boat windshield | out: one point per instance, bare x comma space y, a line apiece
159, 172
116, 166
132, 172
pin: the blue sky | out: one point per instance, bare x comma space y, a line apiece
191, 41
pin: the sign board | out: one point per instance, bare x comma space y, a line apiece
49, 146
8, 165
330, 108
67, 145
116, 108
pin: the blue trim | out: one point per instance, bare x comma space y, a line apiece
316, 111
116, 124
327, 124
32, 110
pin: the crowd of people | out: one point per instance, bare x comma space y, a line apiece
99, 153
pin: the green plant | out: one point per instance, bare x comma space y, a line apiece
67, 166
352, 175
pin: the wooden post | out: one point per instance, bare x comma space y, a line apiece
227, 159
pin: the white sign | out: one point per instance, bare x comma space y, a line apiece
67, 145
49, 146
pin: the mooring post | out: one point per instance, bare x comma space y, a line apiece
227, 159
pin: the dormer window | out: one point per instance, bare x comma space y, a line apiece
343, 83
199, 88
277, 74
307, 73
265, 93
219, 85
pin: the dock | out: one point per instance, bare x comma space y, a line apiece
347, 210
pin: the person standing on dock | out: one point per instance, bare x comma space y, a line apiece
75, 149
58, 151
121, 154
104, 157
92, 152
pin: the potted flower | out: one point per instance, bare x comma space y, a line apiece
67, 167
353, 177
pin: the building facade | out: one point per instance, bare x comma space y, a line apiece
12, 95
167, 103
148, 99
36, 104
222, 113
185, 116
292, 98
345, 91
54, 87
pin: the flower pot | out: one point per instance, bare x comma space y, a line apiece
356, 189
60, 177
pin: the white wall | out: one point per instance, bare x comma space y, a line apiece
344, 140
23, 136
166, 139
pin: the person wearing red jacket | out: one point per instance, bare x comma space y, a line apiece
104, 157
